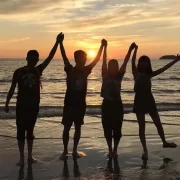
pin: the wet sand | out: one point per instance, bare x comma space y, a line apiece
95, 165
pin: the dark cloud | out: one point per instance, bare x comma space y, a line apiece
25, 6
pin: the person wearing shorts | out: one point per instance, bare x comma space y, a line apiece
75, 98
28, 79
112, 106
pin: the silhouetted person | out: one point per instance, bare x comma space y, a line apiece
112, 106
28, 99
144, 102
75, 98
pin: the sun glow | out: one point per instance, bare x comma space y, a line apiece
91, 54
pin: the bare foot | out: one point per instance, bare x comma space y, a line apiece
169, 145
115, 155
31, 160
20, 163
75, 154
145, 156
110, 155
63, 156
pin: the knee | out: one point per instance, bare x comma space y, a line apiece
30, 135
66, 130
157, 124
78, 128
20, 134
117, 135
141, 131
108, 134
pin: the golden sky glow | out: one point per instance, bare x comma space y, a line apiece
33, 24
91, 54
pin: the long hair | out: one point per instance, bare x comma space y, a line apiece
113, 61
144, 59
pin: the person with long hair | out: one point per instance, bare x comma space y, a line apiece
144, 102
112, 106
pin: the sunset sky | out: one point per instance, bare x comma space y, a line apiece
33, 24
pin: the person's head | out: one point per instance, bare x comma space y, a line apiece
113, 67
32, 58
144, 65
80, 58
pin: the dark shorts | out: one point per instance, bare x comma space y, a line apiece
112, 118
25, 121
144, 104
73, 114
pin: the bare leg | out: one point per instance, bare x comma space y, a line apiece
77, 136
117, 136
116, 143
141, 122
21, 151
109, 143
31, 160
30, 139
156, 119
65, 142
108, 136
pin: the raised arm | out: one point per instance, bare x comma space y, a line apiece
51, 54
104, 64
167, 66
134, 68
94, 62
124, 65
11, 91
63, 52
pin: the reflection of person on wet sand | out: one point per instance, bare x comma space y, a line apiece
65, 173
76, 170
144, 174
113, 173
29, 173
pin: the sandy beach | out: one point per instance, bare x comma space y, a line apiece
163, 163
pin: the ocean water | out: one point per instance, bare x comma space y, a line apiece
165, 87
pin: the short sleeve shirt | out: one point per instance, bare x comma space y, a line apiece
111, 86
76, 85
29, 85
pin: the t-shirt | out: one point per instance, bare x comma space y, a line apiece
76, 85
111, 86
28, 80
142, 84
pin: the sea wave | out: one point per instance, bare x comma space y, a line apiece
92, 110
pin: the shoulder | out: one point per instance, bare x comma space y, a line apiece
40, 68
18, 71
68, 68
88, 69
120, 75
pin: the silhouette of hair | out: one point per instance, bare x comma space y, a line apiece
144, 59
114, 62
79, 54
32, 53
